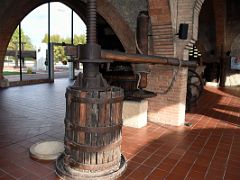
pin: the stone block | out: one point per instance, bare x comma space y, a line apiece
4, 83
135, 113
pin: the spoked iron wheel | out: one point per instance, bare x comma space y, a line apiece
194, 88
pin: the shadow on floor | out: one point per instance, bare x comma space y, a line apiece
218, 104
157, 153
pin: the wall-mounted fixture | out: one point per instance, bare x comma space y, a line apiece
183, 31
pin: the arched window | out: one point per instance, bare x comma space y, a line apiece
49, 23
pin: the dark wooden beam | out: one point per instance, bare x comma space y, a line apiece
25, 53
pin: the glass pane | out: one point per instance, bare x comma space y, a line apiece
34, 49
79, 31
60, 32
11, 69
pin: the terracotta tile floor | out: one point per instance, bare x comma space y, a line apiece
209, 149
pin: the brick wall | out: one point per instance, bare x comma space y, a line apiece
125, 8
118, 23
165, 18
167, 108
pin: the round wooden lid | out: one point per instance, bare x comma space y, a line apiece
46, 150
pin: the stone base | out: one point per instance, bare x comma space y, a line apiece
4, 83
212, 84
66, 172
135, 113
233, 79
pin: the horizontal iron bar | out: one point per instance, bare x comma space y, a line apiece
133, 58
140, 58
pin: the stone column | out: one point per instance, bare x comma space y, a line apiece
3, 82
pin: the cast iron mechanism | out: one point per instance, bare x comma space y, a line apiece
93, 119
194, 89
138, 94
133, 77
141, 70
90, 55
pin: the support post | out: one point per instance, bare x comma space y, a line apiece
51, 61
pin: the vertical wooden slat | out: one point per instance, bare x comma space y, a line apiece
106, 136
88, 124
82, 123
109, 153
75, 121
94, 122
68, 131
72, 121
118, 121
101, 123
114, 121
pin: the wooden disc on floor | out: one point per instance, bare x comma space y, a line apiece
46, 150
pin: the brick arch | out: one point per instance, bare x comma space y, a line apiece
160, 15
196, 12
13, 14
164, 21
218, 11
192, 18
118, 24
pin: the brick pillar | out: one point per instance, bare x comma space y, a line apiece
168, 108
219, 13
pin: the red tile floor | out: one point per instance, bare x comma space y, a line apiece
209, 149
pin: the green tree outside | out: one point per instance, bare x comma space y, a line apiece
14, 43
79, 39
59, 50
53, 38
